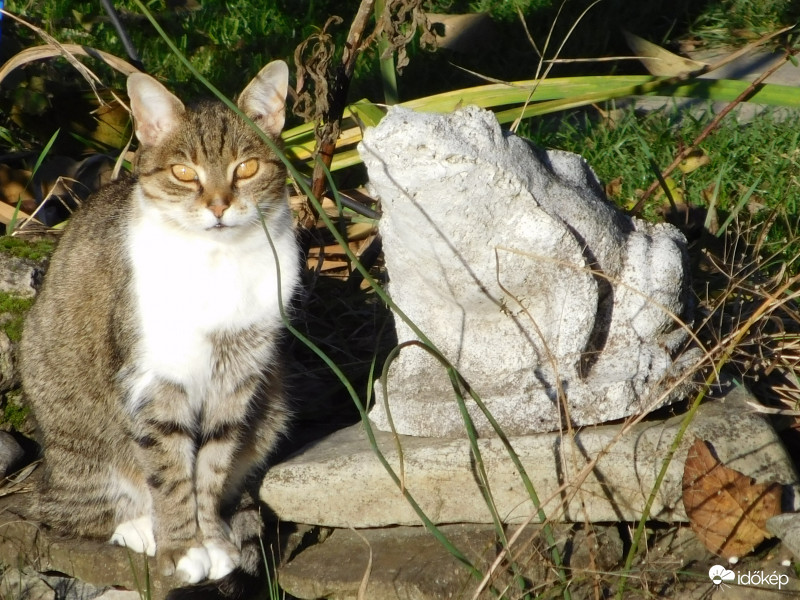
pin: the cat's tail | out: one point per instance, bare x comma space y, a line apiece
249, 579
237, 585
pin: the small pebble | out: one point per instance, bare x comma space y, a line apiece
10, 453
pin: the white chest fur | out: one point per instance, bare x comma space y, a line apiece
189, 285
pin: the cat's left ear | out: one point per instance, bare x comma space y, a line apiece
156, 112
264, 98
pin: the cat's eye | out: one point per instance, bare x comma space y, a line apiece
184, 173
246, 169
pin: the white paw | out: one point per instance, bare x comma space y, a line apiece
194, 566
137, 535
222, 563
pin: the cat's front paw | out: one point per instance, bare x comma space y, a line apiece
224, 557
187, 563
194, 566
213, 560
136, 534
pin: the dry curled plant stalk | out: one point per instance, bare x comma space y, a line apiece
323, 81
317, 69
313, 58
400, 21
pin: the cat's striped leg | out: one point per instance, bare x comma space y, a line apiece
164, 429
270, 408
234, 445
214, 456
134, 507
80, 495
223, 430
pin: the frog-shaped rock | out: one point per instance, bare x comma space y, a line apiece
553, 306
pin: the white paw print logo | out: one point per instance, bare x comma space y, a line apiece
718, 574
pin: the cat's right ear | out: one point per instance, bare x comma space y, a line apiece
264, 98
156, 111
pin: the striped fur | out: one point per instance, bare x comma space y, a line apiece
150, 358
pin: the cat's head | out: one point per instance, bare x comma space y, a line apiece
202, 168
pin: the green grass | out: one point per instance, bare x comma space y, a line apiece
15, 308
14, 412
228, 41
761, 153
34, 250
738, 21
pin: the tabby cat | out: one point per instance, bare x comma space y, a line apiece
150, 358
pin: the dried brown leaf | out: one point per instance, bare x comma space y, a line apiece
614, 188
727, 510
659, 61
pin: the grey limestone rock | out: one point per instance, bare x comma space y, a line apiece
25, 584
10, 453
19, 276
408, 562
9, 376
513, 263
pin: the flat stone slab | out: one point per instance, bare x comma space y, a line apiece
401, 563
408, 562
787, 527
28, 584
43, 565
26, 544
339, 481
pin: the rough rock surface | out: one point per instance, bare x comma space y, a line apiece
408, 562
9, 376
11, 453
343, 484
525, 278
787, 527
53, 567
27, 544
28, 584
19, 276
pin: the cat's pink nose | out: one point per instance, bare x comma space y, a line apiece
217, 210
218, 206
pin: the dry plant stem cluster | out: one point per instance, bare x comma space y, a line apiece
767, 358
329, 100
329, 129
